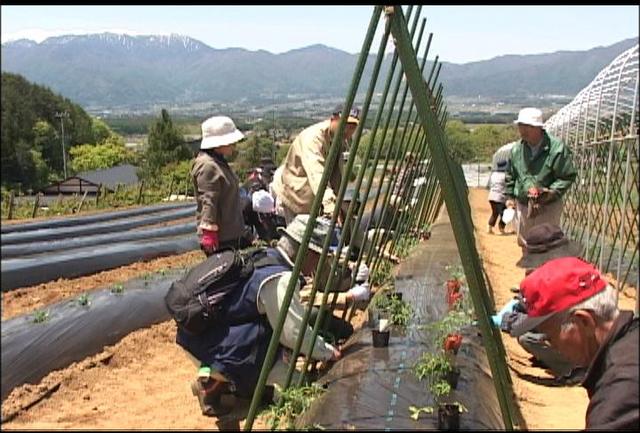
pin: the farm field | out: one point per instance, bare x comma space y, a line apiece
142, 382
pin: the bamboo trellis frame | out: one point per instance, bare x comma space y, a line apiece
601, 126
426, 138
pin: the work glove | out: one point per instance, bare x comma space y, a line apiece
360, 292
507, 309
496, 319
363, 274
533, 192
547, 195
209, 241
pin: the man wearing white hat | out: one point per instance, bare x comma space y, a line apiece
540, 173
219, 211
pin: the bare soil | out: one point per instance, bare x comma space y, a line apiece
142, 382
543, 406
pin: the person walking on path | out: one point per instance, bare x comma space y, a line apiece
540, 173
497, 198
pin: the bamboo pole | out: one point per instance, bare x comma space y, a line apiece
464, 238
302, 250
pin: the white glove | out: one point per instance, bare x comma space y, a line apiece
360, 292
363, 274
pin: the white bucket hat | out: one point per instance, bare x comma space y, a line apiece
530, 116
219, 131
262, 202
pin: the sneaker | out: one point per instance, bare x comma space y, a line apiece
501, 230
209, 392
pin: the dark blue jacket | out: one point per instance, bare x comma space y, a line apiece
238, 346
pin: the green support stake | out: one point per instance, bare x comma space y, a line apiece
315, 207
353, 152
332, 272
424, 99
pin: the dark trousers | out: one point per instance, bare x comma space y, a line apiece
497, 208
337, 328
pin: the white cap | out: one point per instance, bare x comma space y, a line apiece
219, 131
262, 202
530, 116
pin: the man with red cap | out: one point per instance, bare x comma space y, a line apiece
569, 301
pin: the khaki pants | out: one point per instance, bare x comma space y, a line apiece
549, 213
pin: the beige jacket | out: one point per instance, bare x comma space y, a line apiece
217, 196
299, 181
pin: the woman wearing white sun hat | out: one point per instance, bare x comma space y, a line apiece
219, 210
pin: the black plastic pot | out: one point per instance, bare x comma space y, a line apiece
396, 295
452, 377
380, 339
448, 416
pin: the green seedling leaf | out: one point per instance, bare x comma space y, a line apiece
118, 289
83, 300
416, 411
40, 316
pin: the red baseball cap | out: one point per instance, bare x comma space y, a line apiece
555, 286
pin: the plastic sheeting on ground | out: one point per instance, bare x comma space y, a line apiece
88, 219
73, 332
29, 271
94, 229
18, 250
372, 388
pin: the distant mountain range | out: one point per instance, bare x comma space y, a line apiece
120, 70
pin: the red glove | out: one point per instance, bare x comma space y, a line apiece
533, 192
209, 241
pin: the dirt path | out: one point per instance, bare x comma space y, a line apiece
543, 406
142, 382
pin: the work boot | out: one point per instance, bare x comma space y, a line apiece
209, 392
490, 230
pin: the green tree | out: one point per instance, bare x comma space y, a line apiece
29, 123
100, 130
47, 141
109, 153
165, 145
459, 143
486, 139
249, 152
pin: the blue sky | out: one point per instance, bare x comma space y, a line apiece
461, 33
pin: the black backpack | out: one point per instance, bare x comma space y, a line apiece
195, 300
